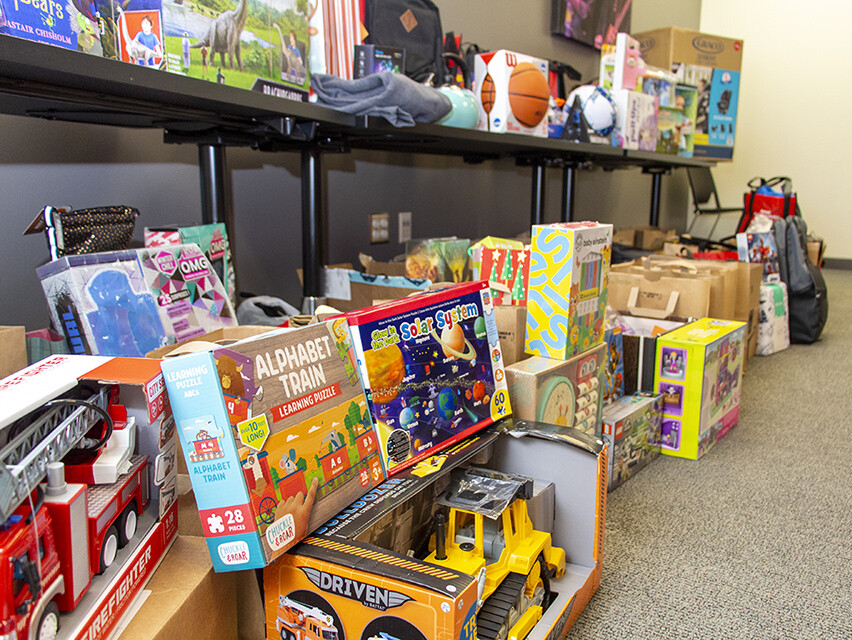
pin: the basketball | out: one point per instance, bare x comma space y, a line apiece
528, 94
487, 93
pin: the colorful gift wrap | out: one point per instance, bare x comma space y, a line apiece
433, 369
510, 267
566, 301
698, 373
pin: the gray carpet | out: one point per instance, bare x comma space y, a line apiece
754, 540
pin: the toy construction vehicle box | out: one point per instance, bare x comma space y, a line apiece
261, 46
512, 93
212, 239
711, 63
568, 393
433, 370
70, 25
127, 303
277, 438
567, 293
631, 428
333, 588
698, 373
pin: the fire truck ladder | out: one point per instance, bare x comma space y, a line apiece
23, 462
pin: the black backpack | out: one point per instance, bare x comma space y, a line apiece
806, 290
414, 25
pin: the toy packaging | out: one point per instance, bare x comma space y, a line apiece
133, 31
698, 373
568, 393
127, 303
712, 64
262, 46
277, 438
489, 242
635, 120
509, 267
773, 332
70, 25
433, 370
512, 93
437, 259
631, 428
686, 99
612, 381
370, 59
760, 248
566, 300
212, 239
335, 588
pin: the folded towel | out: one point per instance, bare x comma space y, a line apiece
393, 96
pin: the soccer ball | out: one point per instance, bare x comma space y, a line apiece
598, 107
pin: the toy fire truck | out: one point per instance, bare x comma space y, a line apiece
56, 537
297, 621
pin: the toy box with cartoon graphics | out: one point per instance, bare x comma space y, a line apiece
262, 46
212, 239
330, 588
61, 23
127, 303
635, 120
566, 301
512, 93
699, 370
510, 267
277, 438
760, 248
133, 31
433, 370
612, 380
631, 428
568, 393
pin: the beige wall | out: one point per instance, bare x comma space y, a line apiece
794, 104
654, 14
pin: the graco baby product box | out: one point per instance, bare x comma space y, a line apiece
433, 369
277, 438
699, 369
566, 301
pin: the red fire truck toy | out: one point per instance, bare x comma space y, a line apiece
55, 538
297, 621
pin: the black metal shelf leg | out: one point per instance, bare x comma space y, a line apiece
656, 190
537, 209
569, 183
312, 240
211, 164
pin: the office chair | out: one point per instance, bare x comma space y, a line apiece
703, 189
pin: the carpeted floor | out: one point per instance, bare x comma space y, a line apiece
753, 541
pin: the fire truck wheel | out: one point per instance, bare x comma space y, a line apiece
127, 522
48, 626
109, 548
287, 635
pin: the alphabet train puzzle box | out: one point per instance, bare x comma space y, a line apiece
277, 436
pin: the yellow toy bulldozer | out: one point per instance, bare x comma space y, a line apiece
488, 534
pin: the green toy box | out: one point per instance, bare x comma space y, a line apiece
566, 299
699, 372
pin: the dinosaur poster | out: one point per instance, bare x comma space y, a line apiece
252, 44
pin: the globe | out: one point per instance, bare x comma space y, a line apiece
406, 418
446, 403
598, 107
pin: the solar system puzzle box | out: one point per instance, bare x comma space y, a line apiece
277, 438
433, 370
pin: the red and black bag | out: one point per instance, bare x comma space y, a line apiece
765, 199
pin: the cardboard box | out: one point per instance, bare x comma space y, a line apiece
747, 306
510, 98
712, 63
567, 295
509, 267
127, 303
568, 393
433, 370
376, 268
635, 120
631, 428
644, 237
267, 424
350, 290
182, 591
13, 350
511, 329
270, 56
699, 374
202, 342
773, 333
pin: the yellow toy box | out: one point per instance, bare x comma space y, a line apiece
566, 300
698, 372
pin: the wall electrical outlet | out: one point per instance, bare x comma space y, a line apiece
404, 226
379, 228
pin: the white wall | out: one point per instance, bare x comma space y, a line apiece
794, 105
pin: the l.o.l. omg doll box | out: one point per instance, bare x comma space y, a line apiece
277, 438
433, 369
699, 369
